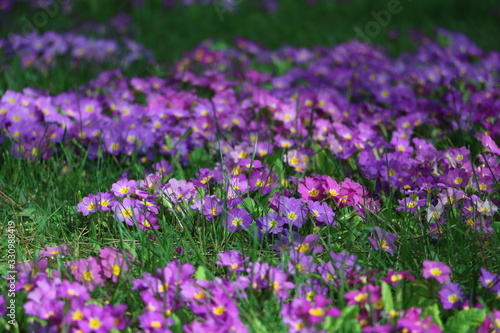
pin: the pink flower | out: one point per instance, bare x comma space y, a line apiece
437, 270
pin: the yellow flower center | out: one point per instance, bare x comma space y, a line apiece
95, 323
317, 312
87, 276
219, 310
77, 315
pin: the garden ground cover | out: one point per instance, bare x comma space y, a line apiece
301, 189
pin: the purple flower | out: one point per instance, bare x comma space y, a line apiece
152, 321
96, 319
410, 204
321, 212
488, 143
383, 240
437, 270
106, 201
490, 280
124, 187
127, 211
3, 306
89, 204
456, 177
395, 278
53, 251
87, 271
451, 296
272, 223
293, 211
212, 207
114, 263
279, 282
232, 259
237, 219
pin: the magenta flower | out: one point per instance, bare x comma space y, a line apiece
237, 219
383, 240
279, 283
488, 143
124, 187
114, 263
272, 223
411, 322
89, 204
368, 294
395, 278
456, 177
321, 212
53, 251
3, 306
437, 270
212, 207
96, 319
155, 321
311, 188
88, 272
127, 211
106, 201
293, 211
451, 295
232, 259
410, 204
490, 280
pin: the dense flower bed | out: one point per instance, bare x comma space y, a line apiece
262, 112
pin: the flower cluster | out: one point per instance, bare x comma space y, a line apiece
45, 50
60, 301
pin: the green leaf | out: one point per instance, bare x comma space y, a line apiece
347, 322
433, 311
200, 274
465, 321
387, 297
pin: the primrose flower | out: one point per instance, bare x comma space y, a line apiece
272, 223
153, 321
212, 207
301, 263
127, 211
490, 280
411, 322
293, 211
395, 278
114, 263
237, 219
87, 271
106, 201
321, 212
456, 178
124, 187
89, 204
488, 143
410, 204
369, 293
279, 283
451, 296
96, 319
437, 270
311, 188
232, 259
53, 251
383, 240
